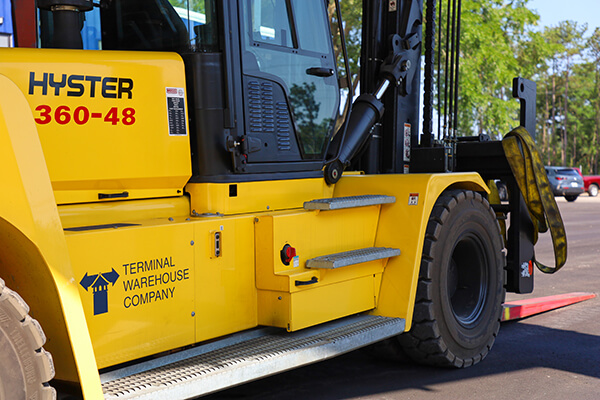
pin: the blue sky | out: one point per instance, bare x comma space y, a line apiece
554, 11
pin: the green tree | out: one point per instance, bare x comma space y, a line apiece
546, 78
493, 33
593, 49
570, 36
583, 121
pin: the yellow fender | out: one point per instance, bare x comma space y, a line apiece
34, 259
402, 225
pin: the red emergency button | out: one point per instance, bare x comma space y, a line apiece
287, 254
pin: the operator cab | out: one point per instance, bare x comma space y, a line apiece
262, 87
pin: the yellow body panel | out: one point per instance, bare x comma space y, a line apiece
255, 196
313, 306
338, 292
146, 276
226, 298
85, 214
312, 234
246, 284
33, 256
99, 133
169, 290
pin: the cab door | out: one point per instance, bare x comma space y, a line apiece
291, 92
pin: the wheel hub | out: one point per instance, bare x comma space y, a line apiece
467, 280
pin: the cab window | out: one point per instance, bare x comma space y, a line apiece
289, 42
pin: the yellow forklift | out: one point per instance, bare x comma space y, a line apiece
195, 200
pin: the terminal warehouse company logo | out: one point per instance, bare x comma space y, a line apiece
99, 284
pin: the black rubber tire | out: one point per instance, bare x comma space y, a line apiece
571, 198
25, 367
593, 190
461, 284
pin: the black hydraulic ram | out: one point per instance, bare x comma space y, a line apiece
389, 79
367, 110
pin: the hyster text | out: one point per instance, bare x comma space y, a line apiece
109, 87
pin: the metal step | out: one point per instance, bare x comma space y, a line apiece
346, 258
244, 357
337, 203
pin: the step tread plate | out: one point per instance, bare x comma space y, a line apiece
337, 203
248, 360
343, 259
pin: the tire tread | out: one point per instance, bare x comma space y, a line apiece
423, 343
33, 335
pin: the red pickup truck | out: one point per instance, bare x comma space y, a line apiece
591, 183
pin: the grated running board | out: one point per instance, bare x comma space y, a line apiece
338, 203
339, 260
243, 358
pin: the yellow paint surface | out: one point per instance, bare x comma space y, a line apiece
99, 132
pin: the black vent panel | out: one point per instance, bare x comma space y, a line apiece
269, 124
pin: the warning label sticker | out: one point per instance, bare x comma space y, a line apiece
176, 111
413, 199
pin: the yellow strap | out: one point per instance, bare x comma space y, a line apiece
526, 165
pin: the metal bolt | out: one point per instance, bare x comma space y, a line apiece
406, 64
193, 313
192, 243
279, 298
171, 219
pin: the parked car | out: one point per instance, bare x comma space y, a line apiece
565, 181
591, 183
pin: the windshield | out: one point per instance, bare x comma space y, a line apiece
567, 171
